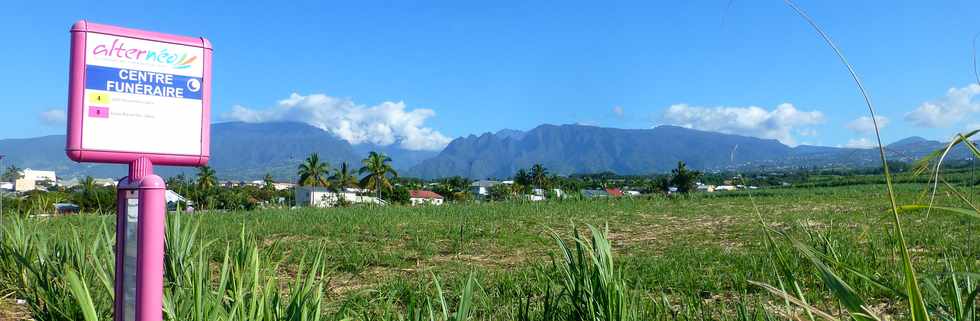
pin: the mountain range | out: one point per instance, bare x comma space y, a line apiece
246, 151
239, 151
571, 149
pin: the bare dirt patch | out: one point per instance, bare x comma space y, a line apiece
11, 311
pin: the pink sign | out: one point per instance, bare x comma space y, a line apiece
138, 94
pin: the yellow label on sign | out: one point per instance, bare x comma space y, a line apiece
99, 98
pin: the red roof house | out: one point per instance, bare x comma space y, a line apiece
424, 194
420, 197
614, 192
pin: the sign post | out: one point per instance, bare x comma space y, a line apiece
138, 98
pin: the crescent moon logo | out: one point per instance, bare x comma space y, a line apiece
194, 85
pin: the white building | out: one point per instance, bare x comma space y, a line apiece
283, 186
106, 182
33, 180
534, 198
422, 197
482, 188
307, 196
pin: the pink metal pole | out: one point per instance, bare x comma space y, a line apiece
139, 266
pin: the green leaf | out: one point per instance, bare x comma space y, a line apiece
80, 291
954, 210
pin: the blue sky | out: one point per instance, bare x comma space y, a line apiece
421, 73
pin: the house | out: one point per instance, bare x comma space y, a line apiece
481, 188
106, 182
594, 193
309, 196
615, 192
706, 188
174, 199
283, 186
725, 188
66, 208
33, 180
423, 197
558, 193
7, 186
534, 198
632, 193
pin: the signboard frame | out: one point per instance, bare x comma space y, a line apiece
77, 104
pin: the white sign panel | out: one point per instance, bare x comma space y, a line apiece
142, 96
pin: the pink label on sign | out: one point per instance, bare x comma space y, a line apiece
98, 112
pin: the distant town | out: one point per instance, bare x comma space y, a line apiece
374, 183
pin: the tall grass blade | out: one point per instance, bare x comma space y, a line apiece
80, 291
917, 305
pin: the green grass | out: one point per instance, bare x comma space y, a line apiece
683, 257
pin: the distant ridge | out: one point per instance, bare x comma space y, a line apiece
247, 151
568, 149
239, 151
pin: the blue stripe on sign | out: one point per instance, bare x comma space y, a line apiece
142, 82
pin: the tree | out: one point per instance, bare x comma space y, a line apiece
88, 186
398, 195
93, 198
205, 186
12, 174
539, 176
178, 183
377, 166
343, 177
313, 172
501, 192
659, 184
522, 179
268, 183
685, 180
457, 183
206, 179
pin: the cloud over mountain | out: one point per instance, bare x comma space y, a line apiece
382, 124
778, 123
958, 105
862, 142
864, 125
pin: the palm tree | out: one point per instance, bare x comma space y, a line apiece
206, 179
377, 166
343, 177
88, 186
268, 182
539, 175
206, 182
12, 174
313, 172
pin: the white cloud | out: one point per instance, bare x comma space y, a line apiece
382, 124
755, 121
53, 117
861, 143
618, 111
864, 125
956, 106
